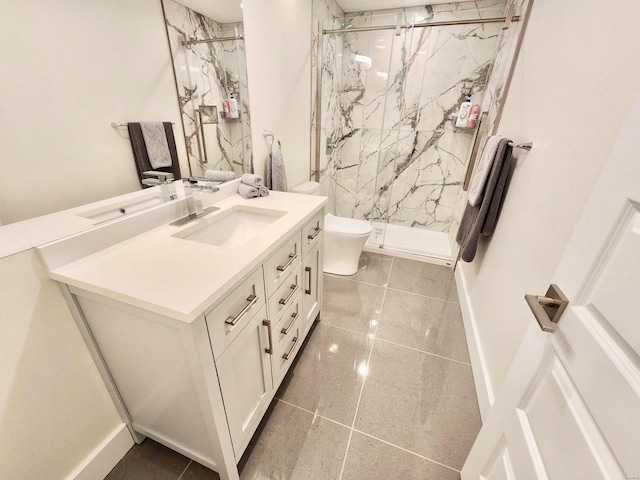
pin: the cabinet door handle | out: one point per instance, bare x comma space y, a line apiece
285, 330
288, 354
308, 270
294, 289
252, 299
267, 323
292, 257
316, 231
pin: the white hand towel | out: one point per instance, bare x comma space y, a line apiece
247, 191
276, 175
252, 179
219, 176
264, 191
155, 140
481, 172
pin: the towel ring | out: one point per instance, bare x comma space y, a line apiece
268, 136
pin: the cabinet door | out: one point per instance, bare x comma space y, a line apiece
244, 371
312, 281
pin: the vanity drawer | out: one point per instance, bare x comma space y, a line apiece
283, 261
284, 328
312, 232
227, 319
286, 295
286, 351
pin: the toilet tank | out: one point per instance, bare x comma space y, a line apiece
307, 188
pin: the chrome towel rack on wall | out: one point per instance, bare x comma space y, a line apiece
524, 146
122, 125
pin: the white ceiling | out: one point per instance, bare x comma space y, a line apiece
364, 5
222, 11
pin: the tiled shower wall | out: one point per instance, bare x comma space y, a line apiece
207, 74
388, 149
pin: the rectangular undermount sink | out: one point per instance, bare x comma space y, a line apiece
121, 209
232, 228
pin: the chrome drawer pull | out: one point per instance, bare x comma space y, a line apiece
252, 299
294, 289
267, 323
288, 354
285, 330
308, 270
292, 257
317, 230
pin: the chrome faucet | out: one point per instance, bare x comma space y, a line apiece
193, 187
165, 180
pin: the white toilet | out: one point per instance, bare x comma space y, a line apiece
344, 237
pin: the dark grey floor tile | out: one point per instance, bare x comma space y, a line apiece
424, 323
373, 268
327, 377
420, 402
195, 471
149, 461
351, 305
372, 459
423, 278
294, 444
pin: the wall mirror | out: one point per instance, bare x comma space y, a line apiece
207, 48
82, 70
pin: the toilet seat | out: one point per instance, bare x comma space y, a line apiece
349, 227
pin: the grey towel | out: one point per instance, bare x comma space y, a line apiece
219, 176
252, 179
481, 219
156, 142
482, 170
276, 175
264, 191
141, 156
247, 191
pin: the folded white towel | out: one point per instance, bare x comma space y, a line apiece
219, 176
252, 179
264, 191
482, 169
247, 191
155, 140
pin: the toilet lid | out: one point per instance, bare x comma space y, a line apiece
346, 225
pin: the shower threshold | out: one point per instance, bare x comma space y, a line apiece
412, 243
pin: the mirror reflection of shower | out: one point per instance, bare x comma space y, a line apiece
211, 75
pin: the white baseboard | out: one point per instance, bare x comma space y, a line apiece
481, 379
102, 460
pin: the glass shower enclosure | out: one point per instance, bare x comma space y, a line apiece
390, 151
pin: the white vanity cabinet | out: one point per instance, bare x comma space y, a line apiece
312, 263
201, 385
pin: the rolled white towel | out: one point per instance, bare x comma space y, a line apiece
247, 191
252, 179
219, 176
264, 191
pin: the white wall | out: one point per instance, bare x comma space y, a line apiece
69, 69
573, 86
54, 407
278, 46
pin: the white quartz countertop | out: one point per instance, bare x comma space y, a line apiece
181, 278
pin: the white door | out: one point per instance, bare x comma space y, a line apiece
570, 405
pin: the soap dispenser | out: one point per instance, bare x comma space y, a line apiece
233, 106
463, 113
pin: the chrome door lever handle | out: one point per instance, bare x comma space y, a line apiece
548, 308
